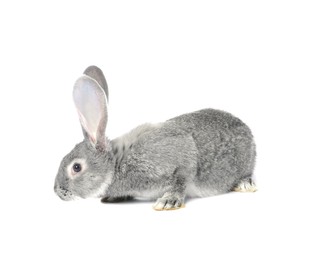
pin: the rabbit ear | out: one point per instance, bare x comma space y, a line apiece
91, 103
96, 73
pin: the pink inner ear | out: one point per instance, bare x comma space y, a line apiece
91, 105
84, 124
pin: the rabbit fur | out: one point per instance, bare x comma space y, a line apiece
200, 154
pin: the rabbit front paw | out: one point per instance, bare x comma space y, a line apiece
169, 202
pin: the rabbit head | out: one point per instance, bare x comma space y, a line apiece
87, 170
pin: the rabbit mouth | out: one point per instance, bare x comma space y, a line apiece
64, 194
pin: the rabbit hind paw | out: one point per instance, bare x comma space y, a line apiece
246, 186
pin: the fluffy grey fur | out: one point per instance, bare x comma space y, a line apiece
199, 154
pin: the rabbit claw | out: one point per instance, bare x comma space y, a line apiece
168, 203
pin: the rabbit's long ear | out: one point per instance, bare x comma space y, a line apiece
96, 73
91, 103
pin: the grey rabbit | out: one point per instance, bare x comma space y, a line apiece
199, 154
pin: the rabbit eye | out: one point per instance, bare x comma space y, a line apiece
77, 167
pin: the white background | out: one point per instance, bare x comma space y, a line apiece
161, 59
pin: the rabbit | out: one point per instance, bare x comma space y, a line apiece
200, 154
